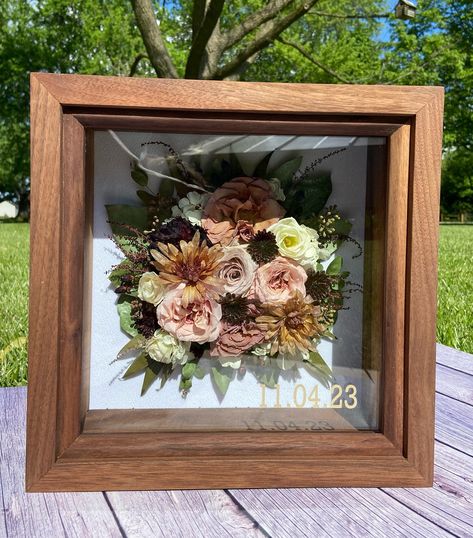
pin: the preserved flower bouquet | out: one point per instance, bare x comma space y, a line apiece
238, 269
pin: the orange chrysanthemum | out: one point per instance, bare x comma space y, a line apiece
291, 326
193, 266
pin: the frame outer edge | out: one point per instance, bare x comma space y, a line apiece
44, 282
421, 286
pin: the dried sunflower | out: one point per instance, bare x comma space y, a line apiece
291, 326
193, 265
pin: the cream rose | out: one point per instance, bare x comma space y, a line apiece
296, 241
277, 280
164, 347
236, 270
197, 322
150, 288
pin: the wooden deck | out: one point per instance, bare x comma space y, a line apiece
444, 510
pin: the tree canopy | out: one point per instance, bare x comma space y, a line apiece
272, 40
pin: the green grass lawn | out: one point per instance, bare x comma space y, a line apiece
14, 252
455, 304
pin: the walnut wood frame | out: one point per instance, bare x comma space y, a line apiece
61, 456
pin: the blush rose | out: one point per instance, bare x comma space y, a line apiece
277, 280
197, 322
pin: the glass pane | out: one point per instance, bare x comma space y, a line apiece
241, 277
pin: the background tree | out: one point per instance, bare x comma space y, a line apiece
274, 40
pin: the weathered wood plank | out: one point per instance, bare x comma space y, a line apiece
454, 384
37, 514
454, 424
333, 512
181, 513
449, 504
453, 358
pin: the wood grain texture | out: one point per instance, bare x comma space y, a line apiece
150, 514
38, 514
421, 285
333, 512
455, 359
454, 426
46, 176
277, 98
449, 503
455, 384
394, 286
58, 461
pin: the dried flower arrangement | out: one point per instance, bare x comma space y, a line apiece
239, 269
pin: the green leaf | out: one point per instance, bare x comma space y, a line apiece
166, 188
124, 312
188, 370
146, 197
185, 384
342, 227
261, 168
139, 176
268, 377
135, 343
137, 366
319, 368
199, 372
126, 214
285, 172
149, 379
335, 267
222, 377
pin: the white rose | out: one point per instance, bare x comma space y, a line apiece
296, 241
191, 207
150, 288
164, 347
277, 189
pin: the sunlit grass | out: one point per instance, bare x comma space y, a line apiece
455, 292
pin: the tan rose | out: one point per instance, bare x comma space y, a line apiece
236, 339
241, 199
236, 270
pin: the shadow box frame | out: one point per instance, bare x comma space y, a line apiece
62, 454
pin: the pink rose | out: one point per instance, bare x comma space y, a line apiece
236, 270
277, 280
197, 322
240, 199
244, 231
236, 339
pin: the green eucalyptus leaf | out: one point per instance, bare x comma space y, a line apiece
188, 370
139, 176
135, 343
222, 377
261, 169
268, 377
185, 384
285, 172
319, 368
335, 266
134, 216
137, 366
124, 312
